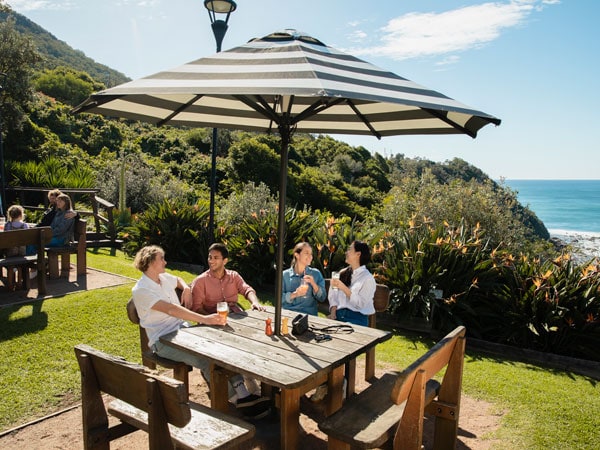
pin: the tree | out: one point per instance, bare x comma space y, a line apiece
67, 85
18, 57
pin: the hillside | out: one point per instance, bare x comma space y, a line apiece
58, 53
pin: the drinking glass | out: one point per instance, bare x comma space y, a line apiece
335, 276
223, 309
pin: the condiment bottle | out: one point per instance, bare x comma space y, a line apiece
268, 327
284, 326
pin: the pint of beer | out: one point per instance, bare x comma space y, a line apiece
223, 309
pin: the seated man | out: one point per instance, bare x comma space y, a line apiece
219, 284
160, 312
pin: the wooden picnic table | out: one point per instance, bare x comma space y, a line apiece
294, 364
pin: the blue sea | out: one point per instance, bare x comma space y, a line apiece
563, 205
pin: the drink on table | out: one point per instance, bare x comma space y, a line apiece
223, 309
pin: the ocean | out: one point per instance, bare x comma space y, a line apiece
565, 206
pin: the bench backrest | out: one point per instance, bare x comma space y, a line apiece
132, 314
80, 230
410, 388
132, 383
39, 236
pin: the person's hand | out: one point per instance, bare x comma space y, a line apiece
258, 307
215, 319
186, 297
332, 316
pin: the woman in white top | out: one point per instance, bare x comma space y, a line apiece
161, 312
351, 297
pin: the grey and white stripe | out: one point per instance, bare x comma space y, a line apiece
293, 80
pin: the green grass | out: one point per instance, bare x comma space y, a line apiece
541, 408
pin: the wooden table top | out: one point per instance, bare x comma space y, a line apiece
283, 361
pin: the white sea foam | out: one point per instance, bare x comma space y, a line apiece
585, 243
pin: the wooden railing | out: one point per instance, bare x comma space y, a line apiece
102, 212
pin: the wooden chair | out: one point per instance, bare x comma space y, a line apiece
38, 237
147, 401
149, 358
77, 247
394, 406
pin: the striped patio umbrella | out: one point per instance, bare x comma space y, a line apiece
287, 82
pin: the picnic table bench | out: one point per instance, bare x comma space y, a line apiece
37, 237
149, 358
144, 400
77, 247
394, 406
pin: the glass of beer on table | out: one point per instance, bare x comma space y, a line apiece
223, 309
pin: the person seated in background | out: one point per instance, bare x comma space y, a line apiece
219, 284
51, 210
303, 286
63, 221
161, 312
16, 217
352, 301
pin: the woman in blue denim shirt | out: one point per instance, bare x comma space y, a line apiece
303, 286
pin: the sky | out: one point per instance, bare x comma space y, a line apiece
531, 63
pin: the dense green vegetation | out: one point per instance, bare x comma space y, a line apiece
443, 226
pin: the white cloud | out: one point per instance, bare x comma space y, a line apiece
436, 34
35, 5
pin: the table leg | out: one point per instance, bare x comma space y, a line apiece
290, 418
218, 389
351, 377
335, 382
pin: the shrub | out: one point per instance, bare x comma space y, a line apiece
179, 228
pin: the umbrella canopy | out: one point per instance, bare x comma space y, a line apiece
288, 81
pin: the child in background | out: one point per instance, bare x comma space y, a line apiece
16, 216
16, 221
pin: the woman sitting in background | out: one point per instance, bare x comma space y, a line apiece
303, 286
62, 223
351, 297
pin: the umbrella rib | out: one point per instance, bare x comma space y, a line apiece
443, 118
315, 109
364, 119
265, 110
178, 110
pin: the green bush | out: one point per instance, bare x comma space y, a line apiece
551, 305
416, 260
179, 228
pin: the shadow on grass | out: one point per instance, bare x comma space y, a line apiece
14, 327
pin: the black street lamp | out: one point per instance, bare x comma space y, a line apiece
2, 182
219, 27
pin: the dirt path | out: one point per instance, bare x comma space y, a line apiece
64, 430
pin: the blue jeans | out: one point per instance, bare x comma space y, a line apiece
175, 354
57, 242
347, 315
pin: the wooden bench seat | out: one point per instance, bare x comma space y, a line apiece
393, 407
144, 400
37, 237
76, 247
149, 358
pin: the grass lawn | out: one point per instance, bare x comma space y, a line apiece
541, 408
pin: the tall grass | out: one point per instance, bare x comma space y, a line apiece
541, 408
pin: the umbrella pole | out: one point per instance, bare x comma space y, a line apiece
283, 169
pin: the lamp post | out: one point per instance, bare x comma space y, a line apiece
2, 182
219, 27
